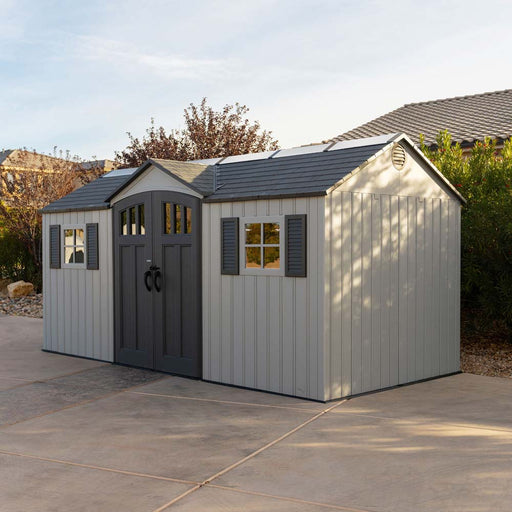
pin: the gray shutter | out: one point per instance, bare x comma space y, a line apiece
229, 246
55, 246
91, 245
295, 245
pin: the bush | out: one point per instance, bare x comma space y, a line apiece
16, 263
484, 178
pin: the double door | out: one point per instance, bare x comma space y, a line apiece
157, 277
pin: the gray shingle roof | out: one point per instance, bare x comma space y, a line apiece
467, 118
300, 175
93, 196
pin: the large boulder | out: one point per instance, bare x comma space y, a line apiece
20, 289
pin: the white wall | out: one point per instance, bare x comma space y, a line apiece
78, 303
264, 332
392, 280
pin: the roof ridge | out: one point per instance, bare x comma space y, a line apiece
456, 98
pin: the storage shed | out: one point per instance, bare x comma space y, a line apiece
319, 272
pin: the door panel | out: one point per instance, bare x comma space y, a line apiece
161, 328
133, 303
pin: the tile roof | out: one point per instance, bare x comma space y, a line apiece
467, 118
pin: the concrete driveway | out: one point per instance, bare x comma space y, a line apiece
86, 436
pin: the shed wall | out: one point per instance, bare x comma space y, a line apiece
392, 288
264, 332
78, 303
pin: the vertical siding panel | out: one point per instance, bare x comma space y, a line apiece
314, 243
238, 318
206, 288
453, 239
444, 302
215, 295
376, 278
366, 314
326, 340
226, 306
346, 305
357, 230
411, 288
457, 289
301, 324
429, 261
385, 297
106, 259
436, 280
320, 302
420, 289
403, 303
336, 282
394, 293
46, 286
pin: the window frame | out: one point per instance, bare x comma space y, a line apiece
271, 219
63, 246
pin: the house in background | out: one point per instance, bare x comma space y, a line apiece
320, 272
467, 118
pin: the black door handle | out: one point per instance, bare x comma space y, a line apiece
147, 274
156, 277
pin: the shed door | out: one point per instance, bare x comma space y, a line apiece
163, 294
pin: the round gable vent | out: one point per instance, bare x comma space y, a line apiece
398, 157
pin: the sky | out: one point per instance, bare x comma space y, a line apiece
79, 75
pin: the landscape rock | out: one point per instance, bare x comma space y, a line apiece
19, 289
32, 306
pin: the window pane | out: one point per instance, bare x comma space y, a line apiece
124, 227
69, 255
142, 227
188, 218
253, 257
133, 226
271, 257
177, 218
253, 233
79, 254
79, 236
167, 218
271, 233
68, 237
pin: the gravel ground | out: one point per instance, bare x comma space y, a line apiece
487, 352
31, 305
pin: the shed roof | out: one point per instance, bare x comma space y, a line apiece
297, 172
467, 118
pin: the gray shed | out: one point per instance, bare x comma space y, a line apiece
319, 272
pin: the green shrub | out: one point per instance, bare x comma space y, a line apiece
484, 178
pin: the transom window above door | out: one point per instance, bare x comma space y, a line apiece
132, 221
262, 245
177, 219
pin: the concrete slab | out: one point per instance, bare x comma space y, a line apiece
8, 383
196, 389
212, 499
472, 400
34, 485
20, 345
385, 465
38, 398
184, 439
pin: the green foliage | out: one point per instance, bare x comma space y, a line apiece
484, 178
16, 263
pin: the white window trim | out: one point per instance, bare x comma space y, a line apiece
63, 247
261, 271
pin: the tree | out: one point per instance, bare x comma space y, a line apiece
207, 134
485, 180
29, 183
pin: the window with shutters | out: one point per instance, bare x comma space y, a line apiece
73, 246
261, 243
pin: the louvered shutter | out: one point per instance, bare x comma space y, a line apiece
91, 244
295, 245
55, 246
229, 246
